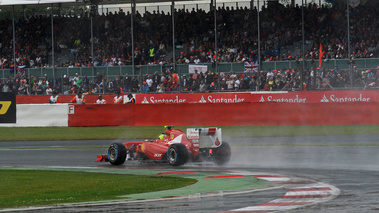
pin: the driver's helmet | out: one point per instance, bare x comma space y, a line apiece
161, 136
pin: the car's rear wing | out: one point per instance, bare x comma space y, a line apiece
213, 132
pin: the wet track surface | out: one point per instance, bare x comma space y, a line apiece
350, 163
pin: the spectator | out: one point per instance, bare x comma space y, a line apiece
193, 87
161, 88
149, 83
101, 86
74, 82
22, 89
49, 91
110, 86
100, 100
8, 86
127, 83
223, 85
99, 78
66, 83
118, 99
134, 84
203, 87
185, 83
54, 98
131, 99
253, 84
79, 99
237, 84
156, 80
144, 88
230, 84
195, 75
173, 84
79, 82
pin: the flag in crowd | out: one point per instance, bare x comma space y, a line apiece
251, 66
320, 57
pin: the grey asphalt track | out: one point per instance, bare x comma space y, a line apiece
350, 163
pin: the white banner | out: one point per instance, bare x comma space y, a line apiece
26, 2
199, 68
46, 115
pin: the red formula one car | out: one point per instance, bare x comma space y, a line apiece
174, 147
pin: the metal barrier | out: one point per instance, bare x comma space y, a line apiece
366, 63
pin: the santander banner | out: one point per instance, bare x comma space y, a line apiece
193, 98
276, 97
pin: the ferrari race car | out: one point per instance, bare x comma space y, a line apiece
173, 147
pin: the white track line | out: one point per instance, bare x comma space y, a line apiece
300, 193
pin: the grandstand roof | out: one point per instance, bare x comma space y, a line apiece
46, 3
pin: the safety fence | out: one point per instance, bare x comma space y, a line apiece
334, 76
107, 71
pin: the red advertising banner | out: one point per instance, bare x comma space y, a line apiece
253, 97
224, 114
228, 97
193, 98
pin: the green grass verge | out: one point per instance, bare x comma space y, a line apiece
90, 133
36, 187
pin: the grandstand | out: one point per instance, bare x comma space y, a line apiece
89, 39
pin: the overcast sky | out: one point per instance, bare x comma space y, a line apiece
204, 4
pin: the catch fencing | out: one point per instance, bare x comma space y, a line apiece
107, 71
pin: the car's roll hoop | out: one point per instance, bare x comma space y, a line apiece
213, 132
168, 127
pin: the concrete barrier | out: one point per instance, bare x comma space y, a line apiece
361, 113
44, 115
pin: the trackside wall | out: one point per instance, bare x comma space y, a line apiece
194, 109
227, 97
32, 115
43, 99
204, 114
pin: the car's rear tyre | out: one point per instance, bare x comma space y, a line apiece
177, 154
221, 154
116, 153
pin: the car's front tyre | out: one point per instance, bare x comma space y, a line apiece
116, 153
177, 154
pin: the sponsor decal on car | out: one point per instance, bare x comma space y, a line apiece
193, 134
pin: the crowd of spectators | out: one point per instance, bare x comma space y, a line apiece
236, 27
170, 81
237, 42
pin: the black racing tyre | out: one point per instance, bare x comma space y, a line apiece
221, 154
177, 154
116, 153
